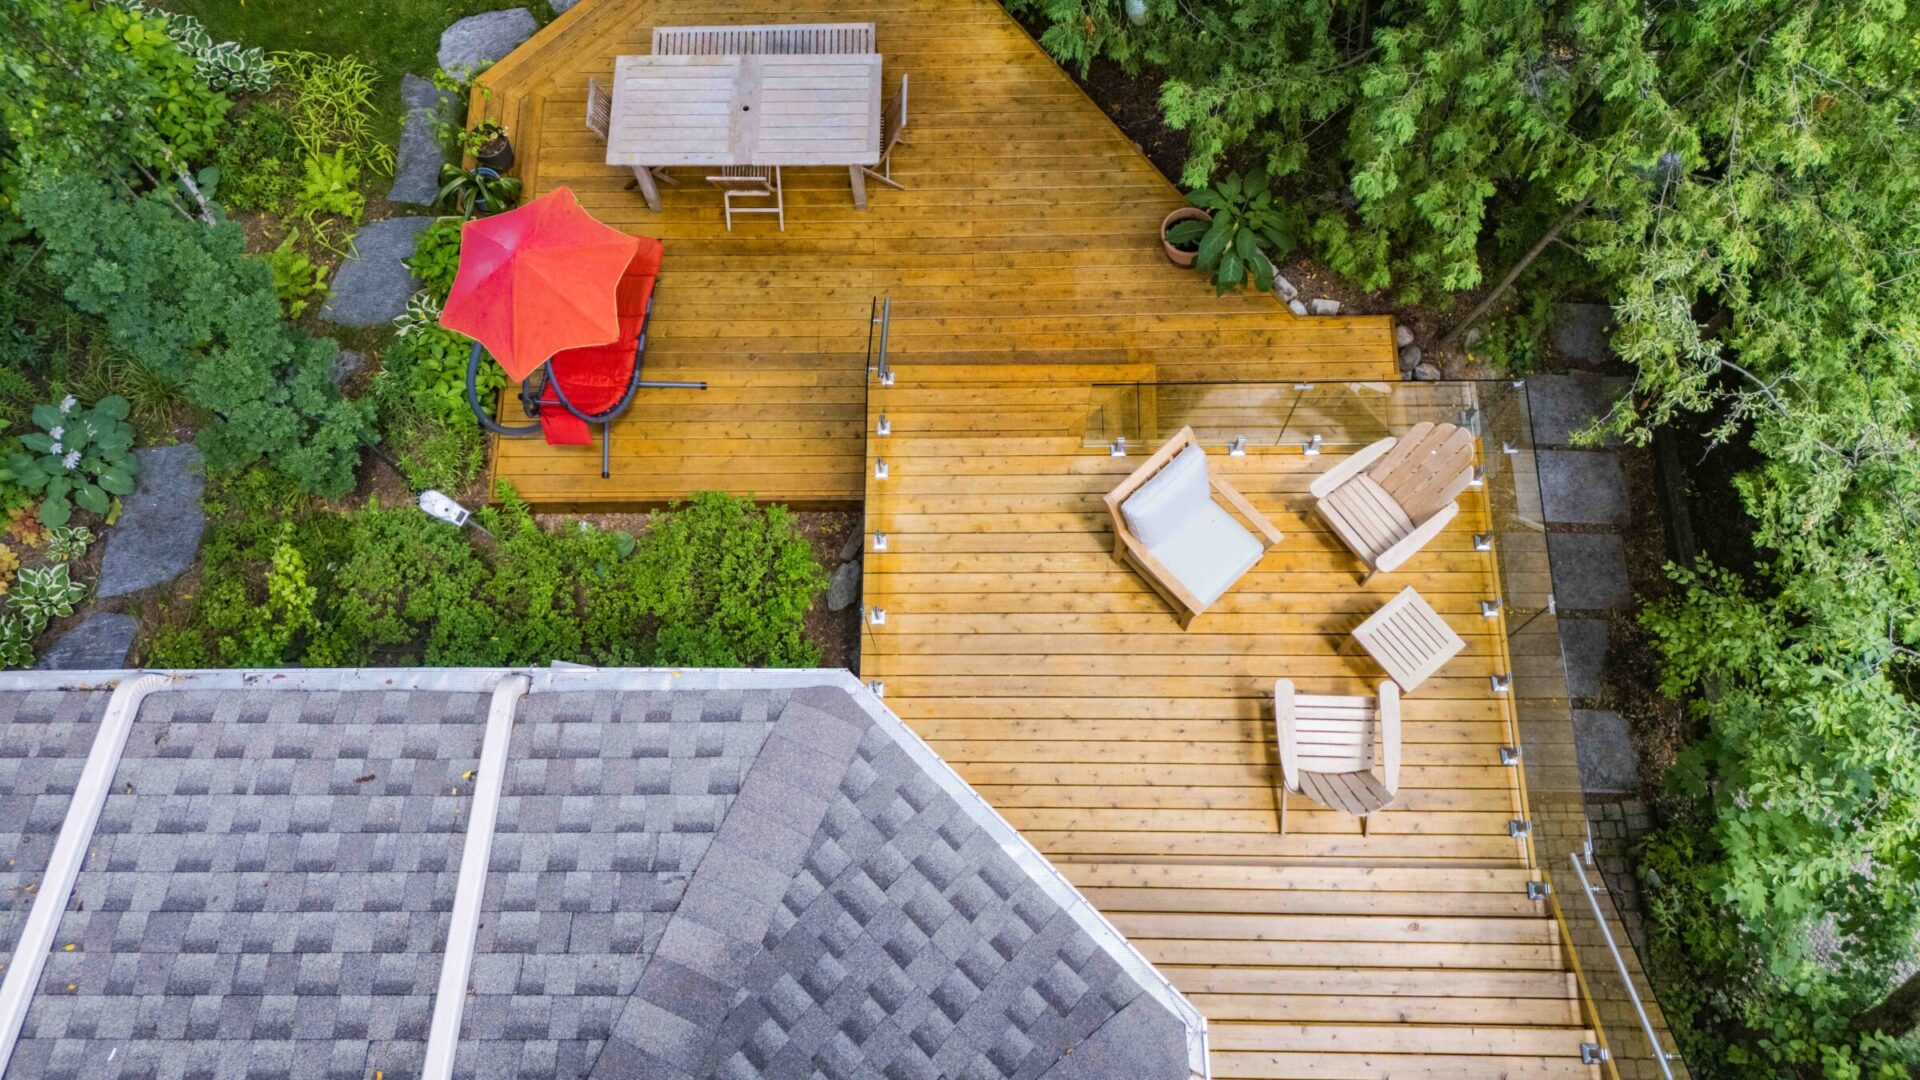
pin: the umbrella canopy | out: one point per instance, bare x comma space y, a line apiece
536, 280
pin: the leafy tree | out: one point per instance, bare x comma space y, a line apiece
186, 298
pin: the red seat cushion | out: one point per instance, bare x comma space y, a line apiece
595, 377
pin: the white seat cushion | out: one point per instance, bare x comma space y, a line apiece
1208, 552
1171, 498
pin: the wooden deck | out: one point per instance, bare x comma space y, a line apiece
1141, 758
1029, 232
1024, 269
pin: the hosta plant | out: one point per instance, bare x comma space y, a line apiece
44, 594
77, 456
16, 642
65, 544
1247, 234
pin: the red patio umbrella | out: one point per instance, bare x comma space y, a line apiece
537, 280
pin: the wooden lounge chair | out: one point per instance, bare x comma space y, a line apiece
1326, 750
1167, 526
892, 123
1387, 501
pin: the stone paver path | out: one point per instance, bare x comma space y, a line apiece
99, 643
372, 287
158, 534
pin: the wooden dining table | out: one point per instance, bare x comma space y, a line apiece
814, 109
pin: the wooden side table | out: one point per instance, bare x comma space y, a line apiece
1409, 639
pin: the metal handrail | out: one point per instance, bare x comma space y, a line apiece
1660, 1054
884, 320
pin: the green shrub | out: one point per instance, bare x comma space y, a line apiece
330, 102
729, 584
187, 297
436, 256
182, 110
434, 454
409, 579
298, 281
329, 187
259, 160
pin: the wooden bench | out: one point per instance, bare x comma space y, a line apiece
779, 40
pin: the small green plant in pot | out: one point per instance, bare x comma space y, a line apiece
83, 457
479, 190
1247, 234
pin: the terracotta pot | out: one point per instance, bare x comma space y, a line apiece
1183, 259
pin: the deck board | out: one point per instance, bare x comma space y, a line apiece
1028, 232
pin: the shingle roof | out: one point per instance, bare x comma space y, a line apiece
712, 883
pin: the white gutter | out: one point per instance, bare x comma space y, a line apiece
69, 851
571, 678
443, 1037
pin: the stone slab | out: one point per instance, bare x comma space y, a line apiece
372, 287
1562, 404
479, 40
1589, 571
1603, 743
1581, 333
1583, 487
844, 590
158, 534
416, 172
99, 643
1583, 642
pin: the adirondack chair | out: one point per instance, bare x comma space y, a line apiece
1389, 500
1327, 750
1167, 526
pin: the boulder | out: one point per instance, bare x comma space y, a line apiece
372, 286
1323, 306
850, 550
479, 40
1425, 372
1409, 357
1402, 336
158, 534
844, 590
99, 643
416, 171
561, 7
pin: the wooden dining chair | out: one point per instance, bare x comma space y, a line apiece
893, 121
749, 184
600, 121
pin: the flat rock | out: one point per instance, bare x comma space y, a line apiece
1603, 744
479, 40
158, 534
850, 550
1589, 571
373, 285
1581, 333
347, 365
416, 171
1583, 487
1562, 405
1583, 642
1284, 289
1323, 306
99, 643
1296, 307
844, 590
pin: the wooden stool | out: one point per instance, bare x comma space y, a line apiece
1409, 639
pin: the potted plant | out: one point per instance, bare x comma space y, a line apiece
1180, 234
1247, 232
489, 145
477, 191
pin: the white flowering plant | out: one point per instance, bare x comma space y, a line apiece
78, 457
